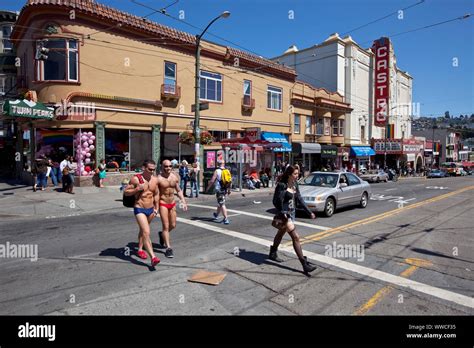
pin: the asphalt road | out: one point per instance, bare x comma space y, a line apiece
412, 255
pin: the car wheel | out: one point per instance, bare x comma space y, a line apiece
329, 207
364, 200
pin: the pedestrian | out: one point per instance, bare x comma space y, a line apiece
222, 181
193, 177
102, 171
168, 183
41, 172
174, 162
184, 176
264, 178
145, 188
51, 172
286, 196
67, 179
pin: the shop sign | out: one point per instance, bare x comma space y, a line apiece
394, 147
253, 134
413, 148
28, 109
328, 152
381, 48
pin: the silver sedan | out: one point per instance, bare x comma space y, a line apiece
375, 176
326, 191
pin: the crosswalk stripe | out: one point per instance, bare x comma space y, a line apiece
266, 217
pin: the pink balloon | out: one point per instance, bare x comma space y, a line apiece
88, 160
89, 133
93, 137
85, 144
86, 149
84, 138
91, 141
88, 154
92, 147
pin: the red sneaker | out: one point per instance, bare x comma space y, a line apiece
142, 254
155, 261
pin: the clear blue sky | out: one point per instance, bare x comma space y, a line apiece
264, 27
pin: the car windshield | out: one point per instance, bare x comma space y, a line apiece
320, 179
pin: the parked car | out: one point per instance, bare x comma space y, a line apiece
327, 191
436, 173
461, 172
375, 176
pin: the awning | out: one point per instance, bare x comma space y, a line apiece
362, 151
27, 109
277, 138
306, 148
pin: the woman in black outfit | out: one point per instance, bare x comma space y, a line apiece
285, 198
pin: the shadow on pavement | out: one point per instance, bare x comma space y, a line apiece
133, 247
259, 259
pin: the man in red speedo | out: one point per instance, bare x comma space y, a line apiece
168, 182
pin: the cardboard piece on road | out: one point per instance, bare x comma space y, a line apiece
206, 277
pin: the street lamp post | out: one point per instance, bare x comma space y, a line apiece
197, 131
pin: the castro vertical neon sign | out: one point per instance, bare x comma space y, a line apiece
381, 48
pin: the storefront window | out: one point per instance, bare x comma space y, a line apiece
140, 149
54, 143
117, 152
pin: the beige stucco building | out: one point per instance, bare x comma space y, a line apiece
130, 82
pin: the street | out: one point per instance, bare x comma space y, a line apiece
411, 255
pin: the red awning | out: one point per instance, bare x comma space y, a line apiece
467, 164
258, 144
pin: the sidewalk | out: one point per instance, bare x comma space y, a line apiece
19, 201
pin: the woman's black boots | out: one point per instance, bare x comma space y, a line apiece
273, 254
307, 267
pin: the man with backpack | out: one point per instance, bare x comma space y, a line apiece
222, 181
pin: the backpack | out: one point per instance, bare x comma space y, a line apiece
226, 179
129, 201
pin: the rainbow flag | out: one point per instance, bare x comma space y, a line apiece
56, 136
390, 131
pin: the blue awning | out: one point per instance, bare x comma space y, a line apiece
277, 138
362, 151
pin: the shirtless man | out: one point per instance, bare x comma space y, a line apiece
144, 211
168, 182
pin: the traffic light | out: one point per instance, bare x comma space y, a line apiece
41, 50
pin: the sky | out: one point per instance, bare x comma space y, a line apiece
440, 59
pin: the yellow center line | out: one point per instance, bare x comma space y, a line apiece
370, 219
379, 295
